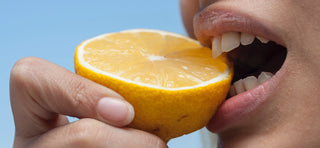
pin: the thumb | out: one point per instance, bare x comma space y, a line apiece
41, 90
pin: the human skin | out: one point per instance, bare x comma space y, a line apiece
42, 94
289, 113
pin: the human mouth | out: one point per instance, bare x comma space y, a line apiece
255, 59
258, 55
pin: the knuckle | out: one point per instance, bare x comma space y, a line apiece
79, 91
84, 131
24, 69
85, 126
81, 97
24, 75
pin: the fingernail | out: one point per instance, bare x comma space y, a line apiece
115, 111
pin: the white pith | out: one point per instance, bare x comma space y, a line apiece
224, 75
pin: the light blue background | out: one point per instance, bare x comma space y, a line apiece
52, 29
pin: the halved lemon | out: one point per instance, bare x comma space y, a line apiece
173, 83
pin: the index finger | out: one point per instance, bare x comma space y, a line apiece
41, 90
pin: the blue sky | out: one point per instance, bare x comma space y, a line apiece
52, 29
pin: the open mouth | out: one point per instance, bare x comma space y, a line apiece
255, 59
258, 57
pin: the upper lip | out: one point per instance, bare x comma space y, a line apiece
213, 21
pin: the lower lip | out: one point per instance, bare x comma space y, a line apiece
237, 107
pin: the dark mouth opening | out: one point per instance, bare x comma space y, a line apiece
251, 60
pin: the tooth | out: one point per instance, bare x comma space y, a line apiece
264, 76
232, 91
262, 40
229, 41
246, 38
239, 86
250, 82
216, 47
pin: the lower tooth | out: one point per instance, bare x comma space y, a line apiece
250, 82
239, 87
264, 76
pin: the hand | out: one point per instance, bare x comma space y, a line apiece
42, 94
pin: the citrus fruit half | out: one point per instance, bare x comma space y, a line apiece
173, 83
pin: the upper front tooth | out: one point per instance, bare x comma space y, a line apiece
216, 47
262, 40
247, 38
264, 76
229, 41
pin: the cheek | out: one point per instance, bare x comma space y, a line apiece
188, 9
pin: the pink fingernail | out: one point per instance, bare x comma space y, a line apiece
115, 111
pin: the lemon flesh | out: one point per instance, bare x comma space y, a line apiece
173, 83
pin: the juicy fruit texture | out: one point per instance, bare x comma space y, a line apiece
173, 83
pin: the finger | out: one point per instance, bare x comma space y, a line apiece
188, 8
41, 90
92, 133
